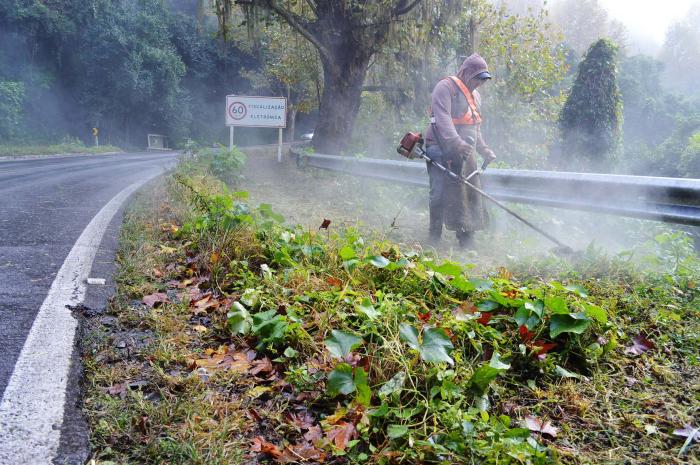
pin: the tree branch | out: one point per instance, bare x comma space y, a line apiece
301, 25
402, 10
312, 6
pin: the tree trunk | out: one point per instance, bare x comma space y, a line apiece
292, 123
343, 80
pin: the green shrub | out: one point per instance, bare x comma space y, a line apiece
592, 115
11, 114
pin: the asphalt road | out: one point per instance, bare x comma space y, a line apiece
45, 204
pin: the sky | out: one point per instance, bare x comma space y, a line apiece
647, 20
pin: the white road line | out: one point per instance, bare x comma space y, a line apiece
31, 410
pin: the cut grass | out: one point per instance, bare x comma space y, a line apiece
154, 401
53, 149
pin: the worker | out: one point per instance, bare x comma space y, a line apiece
456, 117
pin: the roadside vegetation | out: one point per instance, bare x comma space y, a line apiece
237, 338
53, 149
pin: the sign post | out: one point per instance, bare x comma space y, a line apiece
256, 112
279, 147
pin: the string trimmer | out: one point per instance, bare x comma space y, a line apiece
411, 147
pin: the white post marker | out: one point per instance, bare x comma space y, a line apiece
279, 147
257, 112
31, 409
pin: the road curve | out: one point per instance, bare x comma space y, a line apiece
45, 206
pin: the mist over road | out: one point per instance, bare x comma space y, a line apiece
45, 206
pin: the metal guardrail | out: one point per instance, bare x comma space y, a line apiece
671, 200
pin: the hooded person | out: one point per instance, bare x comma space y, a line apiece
456, 117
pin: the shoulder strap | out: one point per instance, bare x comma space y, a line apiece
467, 94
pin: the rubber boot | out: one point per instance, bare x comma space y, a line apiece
435, 233
436, 220
466, 239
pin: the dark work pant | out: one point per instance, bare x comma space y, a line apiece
438, 183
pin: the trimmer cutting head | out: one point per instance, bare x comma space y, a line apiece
563, 250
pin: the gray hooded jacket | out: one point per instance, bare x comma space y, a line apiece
448, 102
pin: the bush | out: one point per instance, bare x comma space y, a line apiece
690, 157
220, 162
11, 97
592, 115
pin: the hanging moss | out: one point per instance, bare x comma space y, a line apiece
592, 115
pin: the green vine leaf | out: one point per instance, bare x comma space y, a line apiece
341, 343
435, 346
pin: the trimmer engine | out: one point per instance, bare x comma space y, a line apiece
411, 146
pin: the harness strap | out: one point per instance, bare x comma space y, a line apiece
468, 118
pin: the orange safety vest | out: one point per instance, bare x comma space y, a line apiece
471, 117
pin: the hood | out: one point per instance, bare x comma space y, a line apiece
472, 66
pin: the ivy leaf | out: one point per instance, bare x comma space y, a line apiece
365, 307
577, 289
536, 308
524, 317
487, 306
347, 253
597, 313
447, 268
346, 380
239, 320
395, 384
496, 362
409, 335
575, 323
364, 394
396, 431
379, 412
269, 327
462, 284
340, 381
378, 260
481, 284
557, 305
341, 343
564, 373
436, 346
486, 373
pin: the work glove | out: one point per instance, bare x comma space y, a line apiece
488, 155
468, 158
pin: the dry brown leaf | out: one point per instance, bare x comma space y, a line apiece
300, 453
264, 447
541, 426
314, 434
234, 361
341, 433
118, 389
261, 366
640, 344
155, 299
